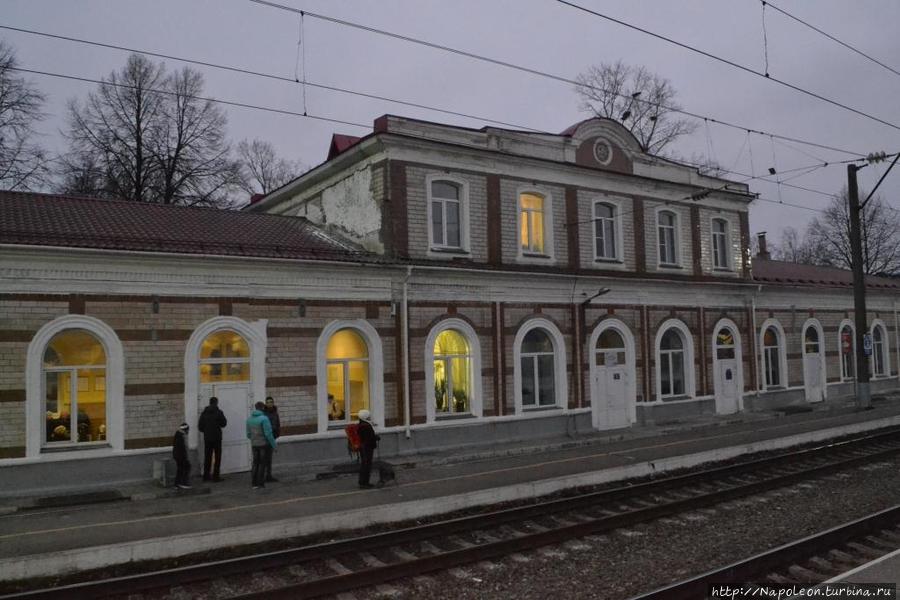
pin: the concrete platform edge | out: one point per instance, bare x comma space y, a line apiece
95, 557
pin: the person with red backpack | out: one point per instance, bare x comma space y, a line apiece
368, 443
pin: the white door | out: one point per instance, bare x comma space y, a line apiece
812, 377
234, 401
609, 401
726, 386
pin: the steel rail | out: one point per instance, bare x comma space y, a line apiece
269, 560
777, 558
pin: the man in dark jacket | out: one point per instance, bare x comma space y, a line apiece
271, 411
180, 454
212, 420
368, 441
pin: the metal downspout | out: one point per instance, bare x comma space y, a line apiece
404, 341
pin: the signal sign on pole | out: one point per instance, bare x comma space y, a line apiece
867, 344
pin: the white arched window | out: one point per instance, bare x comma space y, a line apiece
448, 213
667, 237
540, 366
811, 342
720, 243
675, 361
453, 381
772, 357
847, 349
880, 353
224, 357
606, 243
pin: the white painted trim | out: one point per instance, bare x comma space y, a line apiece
729, 259
254, 333
738, 356
687, 339
812, 322
616, 203
844, 323
559, 371
631, 388
476, 402
549, 255
887, 350
434, 250
376, 369
115, 381
782, 354
679, 259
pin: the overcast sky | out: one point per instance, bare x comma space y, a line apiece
542, 34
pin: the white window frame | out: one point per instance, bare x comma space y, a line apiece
35, 424
616, 205
728, 266
688, 339
376, 370
782, 355
886, 350
676, 237
559, 364
434, 248
476, 401
526, 255
847, 323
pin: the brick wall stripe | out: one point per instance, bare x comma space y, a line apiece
149, 389
12, 396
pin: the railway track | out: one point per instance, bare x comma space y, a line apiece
810, 561
339, 566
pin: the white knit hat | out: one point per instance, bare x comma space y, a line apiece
364, 415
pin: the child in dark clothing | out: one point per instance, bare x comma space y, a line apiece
180, 454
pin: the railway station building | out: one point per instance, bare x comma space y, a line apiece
466, 286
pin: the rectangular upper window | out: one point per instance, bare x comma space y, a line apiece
448, 216
605, 227
532, 223
720, 243
667, 235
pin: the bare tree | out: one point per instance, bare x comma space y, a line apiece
643, 101
23, 165
147, 136
829, 236
262, 170
796, 248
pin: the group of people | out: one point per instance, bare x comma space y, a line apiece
263, 428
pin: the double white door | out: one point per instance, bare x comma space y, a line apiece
234, 401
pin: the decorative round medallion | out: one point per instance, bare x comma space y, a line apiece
602, 152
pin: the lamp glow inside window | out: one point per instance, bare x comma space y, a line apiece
74, 379
224, 357
605, 231
666, 237
531, 223
347, 364
602, 152
720, 243
446, 215
671, 364
538, 370
452, 373
725, 344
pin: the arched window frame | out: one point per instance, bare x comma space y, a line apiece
782, 355
376, 369
476, 402
676, 237
815, 324
622, 329
115, 385
559, 364
548, 252
688, 340
616, 205
254, 333
886, 350
738, 354
464, 241
727, 260
844, 377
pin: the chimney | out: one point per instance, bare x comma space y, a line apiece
763, 251
256, 198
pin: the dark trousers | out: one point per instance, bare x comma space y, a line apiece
183, 472
269, 454
258, 472
212, 456
365, 464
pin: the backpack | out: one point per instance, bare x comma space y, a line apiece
353, 442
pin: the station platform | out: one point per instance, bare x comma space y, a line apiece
882, 570
152, 523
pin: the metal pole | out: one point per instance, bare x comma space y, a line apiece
863, 391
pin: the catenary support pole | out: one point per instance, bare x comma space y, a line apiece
863, 391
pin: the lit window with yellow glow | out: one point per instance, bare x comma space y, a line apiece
452, 373
347, 364
74, 377
224, 357
531, 223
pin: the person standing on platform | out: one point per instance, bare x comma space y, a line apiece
369, 441
180, 454
212, 421
272, 412
259, 432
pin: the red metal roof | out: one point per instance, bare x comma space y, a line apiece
51, 220
776, 271
340, 143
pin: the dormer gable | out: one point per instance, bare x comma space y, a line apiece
603, 144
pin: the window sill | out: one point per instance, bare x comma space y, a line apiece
669, 266
531, 409
675, 398
68, 447
722, 270
534, 255
609, 261
450, 251
453, 417
774, 388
